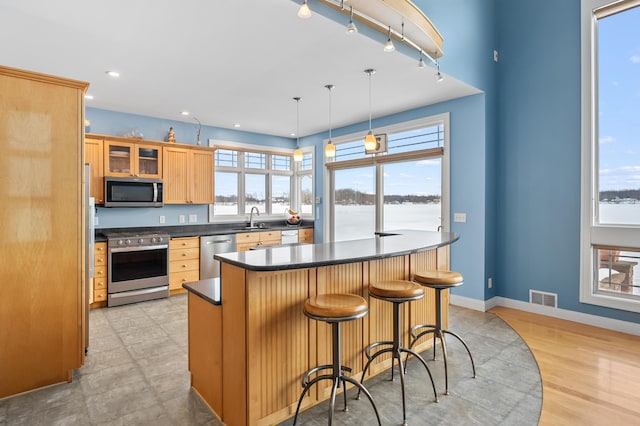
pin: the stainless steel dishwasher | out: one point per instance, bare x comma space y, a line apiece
211, 245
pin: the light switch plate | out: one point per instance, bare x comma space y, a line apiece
193, 218
460, 217
162, 219
181, 218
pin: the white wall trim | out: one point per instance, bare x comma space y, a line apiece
579, 317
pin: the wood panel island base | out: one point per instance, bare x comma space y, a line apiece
250, 342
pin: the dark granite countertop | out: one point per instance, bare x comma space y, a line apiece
198, 230
398, 243
208, 289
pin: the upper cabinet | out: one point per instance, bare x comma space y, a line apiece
93, 155
188, 175
126, 159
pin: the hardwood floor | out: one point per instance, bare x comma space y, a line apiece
590, 375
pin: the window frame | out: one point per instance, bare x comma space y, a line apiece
593, 233
378, 160
268, 171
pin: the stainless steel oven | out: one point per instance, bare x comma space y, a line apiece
138, 267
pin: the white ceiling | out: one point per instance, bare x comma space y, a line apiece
227, 62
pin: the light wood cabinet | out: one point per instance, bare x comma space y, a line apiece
305, 235
246, 240
184, 262
124, 159
93, 153
42, 314
99, 275
188, 175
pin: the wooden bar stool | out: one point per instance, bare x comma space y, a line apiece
439, 281
396, 292
334, 309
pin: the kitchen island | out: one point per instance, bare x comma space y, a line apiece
250, 342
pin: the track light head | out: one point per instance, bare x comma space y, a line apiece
389, 47
351, 27
304, 12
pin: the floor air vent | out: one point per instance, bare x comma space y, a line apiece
542, 298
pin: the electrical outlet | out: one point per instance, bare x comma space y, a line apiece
181, 218
96, 220
495, 56
490, 282
162, 219
460, 217
193, 218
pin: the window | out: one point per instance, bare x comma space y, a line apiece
249, 176
398, 189
610, 246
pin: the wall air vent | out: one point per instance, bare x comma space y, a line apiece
543, 298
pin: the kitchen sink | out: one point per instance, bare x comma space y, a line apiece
252, 228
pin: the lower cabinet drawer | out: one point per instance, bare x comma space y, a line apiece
99, 284
100, 295
100, 273
176, 279
184, 265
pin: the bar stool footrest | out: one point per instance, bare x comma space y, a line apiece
310, 372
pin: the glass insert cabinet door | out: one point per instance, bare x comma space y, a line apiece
129, 159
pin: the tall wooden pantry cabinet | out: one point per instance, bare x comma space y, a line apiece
41, 230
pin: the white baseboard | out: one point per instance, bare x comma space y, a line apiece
593, 320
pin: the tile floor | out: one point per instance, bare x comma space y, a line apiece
136, 374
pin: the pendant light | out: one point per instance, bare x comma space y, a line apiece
297, 154
330, 149
370, 143
304, 12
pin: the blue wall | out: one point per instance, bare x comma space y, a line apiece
539, 153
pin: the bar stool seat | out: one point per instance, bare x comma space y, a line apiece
334, 309
439, 281
396, 292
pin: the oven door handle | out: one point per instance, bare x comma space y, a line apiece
143, 248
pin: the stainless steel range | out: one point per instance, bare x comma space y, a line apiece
138, 267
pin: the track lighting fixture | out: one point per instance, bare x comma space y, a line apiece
421, 63
389, 47
439, 76
297, 154
351, 27
370, 142
304, 12
330, 149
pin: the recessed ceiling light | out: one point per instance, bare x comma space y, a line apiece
113, 73
236, 125
184, 112
88, 96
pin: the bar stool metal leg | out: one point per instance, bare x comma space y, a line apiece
337, 376
439, 333
396, 350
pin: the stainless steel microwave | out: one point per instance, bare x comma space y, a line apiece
132, 192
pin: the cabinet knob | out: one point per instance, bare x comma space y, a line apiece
184, 279
184, 266
184, 254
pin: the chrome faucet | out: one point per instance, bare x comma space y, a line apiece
251, 215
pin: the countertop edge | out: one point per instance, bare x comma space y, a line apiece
205, 289
328, 262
